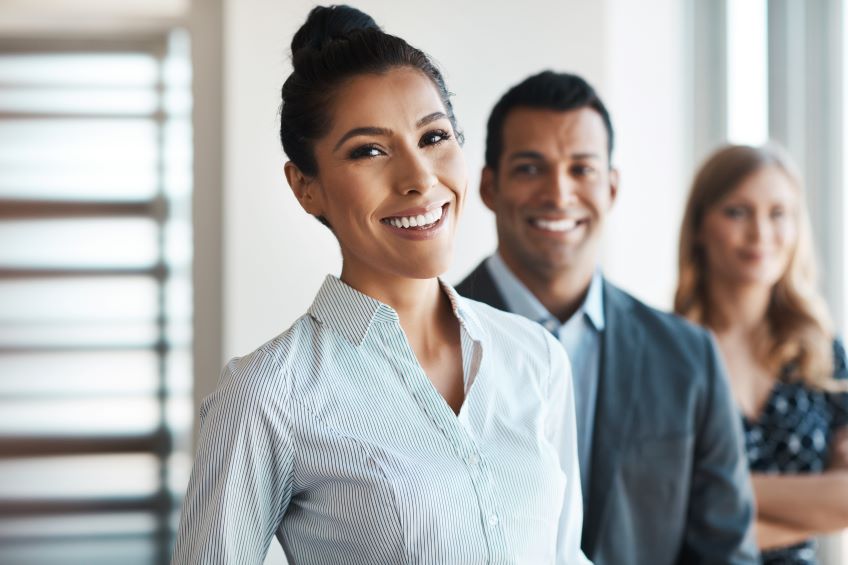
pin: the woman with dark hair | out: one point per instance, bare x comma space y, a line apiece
747, 271
395, 422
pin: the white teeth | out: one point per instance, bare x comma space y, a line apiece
420, 220
555, 225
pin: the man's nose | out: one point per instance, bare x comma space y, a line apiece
561, 188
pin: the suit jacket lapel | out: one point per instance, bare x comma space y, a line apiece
620, 368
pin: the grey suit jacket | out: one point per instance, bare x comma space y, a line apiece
670, 482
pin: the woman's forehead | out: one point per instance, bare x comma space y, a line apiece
399, 95
768, 183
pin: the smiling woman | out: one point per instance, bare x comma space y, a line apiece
747, 272
395, 422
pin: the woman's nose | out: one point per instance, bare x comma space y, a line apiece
415, 172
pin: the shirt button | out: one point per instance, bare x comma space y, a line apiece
493, 520
473, 460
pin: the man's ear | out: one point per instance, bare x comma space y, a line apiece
488, 186
614, 179
306, 189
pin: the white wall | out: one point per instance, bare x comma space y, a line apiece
276, 255
648, 93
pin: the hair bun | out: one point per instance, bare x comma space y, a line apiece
329, 23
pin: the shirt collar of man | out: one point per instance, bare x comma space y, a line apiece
352, 314
523, 302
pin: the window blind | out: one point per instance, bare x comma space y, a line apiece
95, 298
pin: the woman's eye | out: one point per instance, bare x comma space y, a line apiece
778, 213
735, 212
365, 152
434, 137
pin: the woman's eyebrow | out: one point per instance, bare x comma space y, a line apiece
430, 118
361, 131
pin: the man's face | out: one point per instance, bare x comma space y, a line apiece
552, 191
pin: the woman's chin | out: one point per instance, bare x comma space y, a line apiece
757, 279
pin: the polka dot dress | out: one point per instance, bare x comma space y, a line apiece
792, 436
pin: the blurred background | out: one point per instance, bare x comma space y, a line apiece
147, 233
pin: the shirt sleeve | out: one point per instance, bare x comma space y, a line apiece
719, 527
562, 430
241, 481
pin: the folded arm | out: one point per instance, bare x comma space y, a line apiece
817, 503
773, 535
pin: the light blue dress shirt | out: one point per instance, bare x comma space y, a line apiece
333, 439
581, 337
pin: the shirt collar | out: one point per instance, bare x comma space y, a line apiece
348, 311
523, 302
352, 313
593, 306
466, 316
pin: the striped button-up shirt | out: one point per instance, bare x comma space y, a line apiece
332, 438
581, 337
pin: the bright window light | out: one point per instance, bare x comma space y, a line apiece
842, 538
747, 65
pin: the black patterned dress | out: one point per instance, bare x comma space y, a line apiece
792, 435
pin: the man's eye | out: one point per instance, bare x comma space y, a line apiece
527, 169
434, 137
582, 170
365, 152
778, 213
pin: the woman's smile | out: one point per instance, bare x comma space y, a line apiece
419, 223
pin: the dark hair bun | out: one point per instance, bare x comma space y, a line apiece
329, 23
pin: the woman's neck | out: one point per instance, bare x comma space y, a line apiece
738, 309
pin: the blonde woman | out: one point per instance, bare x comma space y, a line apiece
747, 271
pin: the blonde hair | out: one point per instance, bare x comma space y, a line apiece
797, 333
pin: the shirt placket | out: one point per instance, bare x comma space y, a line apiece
431, 403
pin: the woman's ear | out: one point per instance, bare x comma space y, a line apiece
306, 189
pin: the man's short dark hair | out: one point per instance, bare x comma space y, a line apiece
546, 91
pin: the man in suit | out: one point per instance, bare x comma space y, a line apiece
659, 441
